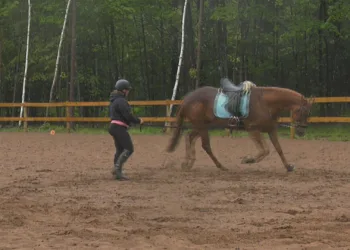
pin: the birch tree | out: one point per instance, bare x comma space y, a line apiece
58, 55
180, 57
200, 35
26, 63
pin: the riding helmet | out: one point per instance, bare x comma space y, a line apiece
122, 84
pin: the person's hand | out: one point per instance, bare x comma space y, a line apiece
141, 121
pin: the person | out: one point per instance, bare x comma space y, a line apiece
121, 118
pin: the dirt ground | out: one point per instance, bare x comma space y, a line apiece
56, 192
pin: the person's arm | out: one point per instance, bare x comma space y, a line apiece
125, 110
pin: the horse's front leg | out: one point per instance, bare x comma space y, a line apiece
260, 143
274, 139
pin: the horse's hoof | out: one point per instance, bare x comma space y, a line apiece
248, 160
290, 168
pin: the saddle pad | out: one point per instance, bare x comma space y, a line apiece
221, 101
219, 106
244, 105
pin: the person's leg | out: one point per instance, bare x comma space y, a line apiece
125, 148
113, 131
128, 149
118, 151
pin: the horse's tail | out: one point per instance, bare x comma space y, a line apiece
177, 132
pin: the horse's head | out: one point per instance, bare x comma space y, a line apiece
300, 115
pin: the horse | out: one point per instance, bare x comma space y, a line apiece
256, 108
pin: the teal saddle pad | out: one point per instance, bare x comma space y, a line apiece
220, 106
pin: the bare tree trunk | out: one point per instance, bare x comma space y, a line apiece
114, 55
163, 67
145, 54
222, 44
15, 80
26, 64
58, 95
180, 57
58, 55
73, 58
189, 58
200, 35
235, 69
1, 87
142, 69
321, 66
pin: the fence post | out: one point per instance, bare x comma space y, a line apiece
67, 118
292, 128
167, 124
25, 122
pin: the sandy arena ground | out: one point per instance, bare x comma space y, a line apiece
56, 192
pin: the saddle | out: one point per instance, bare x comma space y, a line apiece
228, 86
234, 94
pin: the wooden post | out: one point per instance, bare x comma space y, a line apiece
67, 120
25, 116
292, 128
167, 124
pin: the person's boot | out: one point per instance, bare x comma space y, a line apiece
119, 165
119, 174
116, 156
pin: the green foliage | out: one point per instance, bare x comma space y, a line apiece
193, 73
297, 44
7, 7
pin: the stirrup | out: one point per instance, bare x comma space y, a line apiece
233, 121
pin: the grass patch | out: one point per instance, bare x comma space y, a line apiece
334, 132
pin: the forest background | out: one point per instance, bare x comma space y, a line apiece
299, 44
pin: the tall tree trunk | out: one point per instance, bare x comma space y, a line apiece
58, 56
1, 87
199, 46
26, 62
115, 70
15, 79
163, 66
142, 68
180, 56
145, 56
58, 95
222, 47
73, 68
276, 44
306, 87
189, 58
323, 60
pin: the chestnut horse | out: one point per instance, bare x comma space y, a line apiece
264, 106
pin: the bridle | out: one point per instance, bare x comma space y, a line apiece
297, 124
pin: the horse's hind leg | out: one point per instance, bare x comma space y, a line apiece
190, 140
260, 143
207, 148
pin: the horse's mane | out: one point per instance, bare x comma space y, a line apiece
280, 89
283, 91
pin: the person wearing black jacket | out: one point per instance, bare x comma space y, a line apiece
121, 119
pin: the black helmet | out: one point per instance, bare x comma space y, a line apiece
122, 84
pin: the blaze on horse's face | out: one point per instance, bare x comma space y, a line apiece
300, 117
